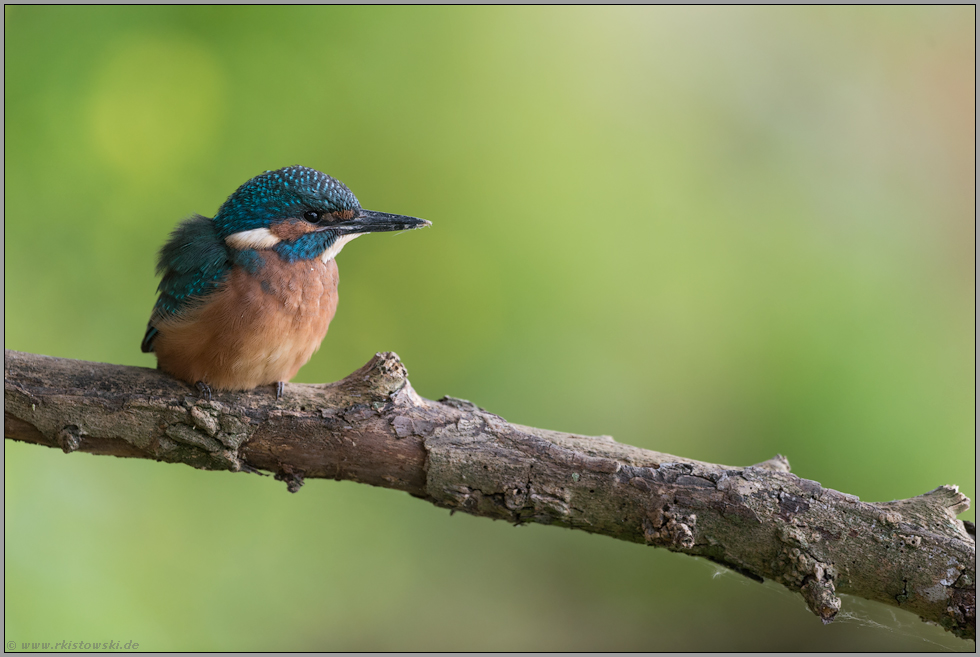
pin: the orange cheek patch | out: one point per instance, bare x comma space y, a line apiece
291, 229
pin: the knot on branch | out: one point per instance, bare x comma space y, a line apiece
820, 597
797, 567
936, 510
778, 463
462, 404
207, 431
292, 477
69, 438
675, 531
376, 381
962, 610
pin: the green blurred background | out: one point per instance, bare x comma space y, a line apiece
716, 232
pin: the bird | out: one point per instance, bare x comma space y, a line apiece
246, 297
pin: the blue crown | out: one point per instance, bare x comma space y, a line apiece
279, 194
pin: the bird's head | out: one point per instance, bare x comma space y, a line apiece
301, 213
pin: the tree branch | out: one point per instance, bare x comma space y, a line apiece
372, 427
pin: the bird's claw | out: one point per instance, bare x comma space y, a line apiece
280, 386
204, 389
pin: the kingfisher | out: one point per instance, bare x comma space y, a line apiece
246, 297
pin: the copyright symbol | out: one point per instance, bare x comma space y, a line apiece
11, 645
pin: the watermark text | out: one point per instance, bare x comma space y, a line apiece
71, 645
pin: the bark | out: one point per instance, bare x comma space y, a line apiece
372, 427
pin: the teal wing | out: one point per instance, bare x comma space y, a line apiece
194, 262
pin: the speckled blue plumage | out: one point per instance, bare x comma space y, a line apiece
196, 259
308, 246
283, 193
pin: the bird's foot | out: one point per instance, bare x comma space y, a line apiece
280, 386
204, 389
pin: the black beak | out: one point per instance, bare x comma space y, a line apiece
368, 221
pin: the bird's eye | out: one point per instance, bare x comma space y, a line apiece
312, 216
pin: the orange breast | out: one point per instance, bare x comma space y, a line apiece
256, 329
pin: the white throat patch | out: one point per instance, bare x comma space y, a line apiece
335, 248
262, 238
